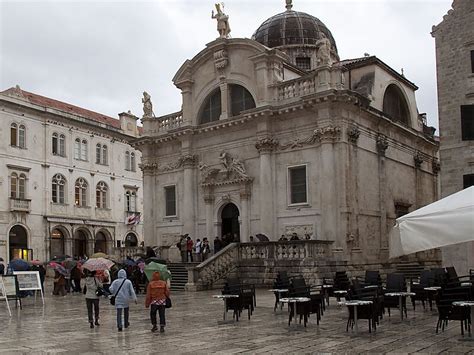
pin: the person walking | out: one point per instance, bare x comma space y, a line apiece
123, 291
205, 249
217, 245
92, 300
59, 284
156, 294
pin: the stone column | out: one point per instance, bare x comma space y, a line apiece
382, 145
209, 202
244, 202
352, 238
149, 191
329, 198
188, 161
265, 146
90, 247
224, 101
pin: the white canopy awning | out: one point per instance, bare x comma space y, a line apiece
445, 222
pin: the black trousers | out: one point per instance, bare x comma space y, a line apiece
161, 312
92, 302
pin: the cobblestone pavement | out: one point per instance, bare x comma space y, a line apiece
195, 327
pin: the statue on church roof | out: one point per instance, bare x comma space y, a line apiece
147, 105
324, 51
222, 21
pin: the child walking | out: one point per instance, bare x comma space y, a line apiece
122, 288
156, 294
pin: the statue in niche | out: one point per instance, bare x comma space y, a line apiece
147, 105
324, 51
222, 21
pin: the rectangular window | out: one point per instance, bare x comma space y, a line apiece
467, 122
170, 198
303, 63
468, 181
297, 180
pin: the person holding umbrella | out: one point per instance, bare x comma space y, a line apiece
156, 294
92, 300
123, 291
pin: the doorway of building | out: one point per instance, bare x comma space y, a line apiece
18, 240
57, 243
100, 243
230, 220
80, 244
131, 240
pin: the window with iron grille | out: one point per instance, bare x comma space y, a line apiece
170, 199
298, 184
303, 63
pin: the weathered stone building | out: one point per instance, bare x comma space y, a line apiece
69, 182
278, 135
455, 73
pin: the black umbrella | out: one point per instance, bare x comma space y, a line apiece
262, 237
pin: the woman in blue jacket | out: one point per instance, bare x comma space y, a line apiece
123, 289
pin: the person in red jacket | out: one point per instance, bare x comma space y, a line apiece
156, 294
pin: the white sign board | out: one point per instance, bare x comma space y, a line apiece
3, 294
9, 281
29, 281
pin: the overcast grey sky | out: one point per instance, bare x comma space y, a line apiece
101, 55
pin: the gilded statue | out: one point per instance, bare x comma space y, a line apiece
222, 21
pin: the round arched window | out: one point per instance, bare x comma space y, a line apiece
395, 105
211, 110
131, 240
240, 99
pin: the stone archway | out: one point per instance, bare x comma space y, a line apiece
57, 246
79, 243
18, 241
100, 243
131, 240
230, 220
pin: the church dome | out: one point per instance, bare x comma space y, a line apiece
292, 28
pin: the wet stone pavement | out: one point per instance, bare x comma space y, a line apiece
195, 327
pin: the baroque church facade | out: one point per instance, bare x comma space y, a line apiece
70, 181
277, 135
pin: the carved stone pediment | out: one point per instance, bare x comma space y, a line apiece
186, 161
232, 172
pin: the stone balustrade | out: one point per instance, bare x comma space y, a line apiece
170, 121
241, 257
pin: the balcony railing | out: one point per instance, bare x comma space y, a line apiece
20, 205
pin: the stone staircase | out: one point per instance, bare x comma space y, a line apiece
179, 275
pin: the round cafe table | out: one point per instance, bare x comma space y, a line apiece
400, 296
278, 291
467, 304
225, 298
295, 301
355, 303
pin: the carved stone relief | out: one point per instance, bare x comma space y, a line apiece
418, 160
353, 134
220, 59
381, 144
300, 230
233, 170
435, 166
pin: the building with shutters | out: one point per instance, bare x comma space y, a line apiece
70, 182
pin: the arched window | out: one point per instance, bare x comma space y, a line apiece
127, 160
18, 186
58, 188
132, 161
395, 105
13, 185
17, 135
131, 240
84, 150
240, 99
14, 134
21, 136
62, 145
211, 111
77, 149
101, 195
58, 144
98, 153
130, 201
80, 192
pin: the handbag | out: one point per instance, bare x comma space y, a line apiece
112, 298
168, 303
99, 291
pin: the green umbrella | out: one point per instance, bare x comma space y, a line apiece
162, 269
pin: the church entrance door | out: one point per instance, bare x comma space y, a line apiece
230, 220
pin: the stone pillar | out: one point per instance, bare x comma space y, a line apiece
329, 197
149, 204
209, 202
90, 247
244, 202
224, 101
188, 194
265, 146
187, 95
382, 145
352, 238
